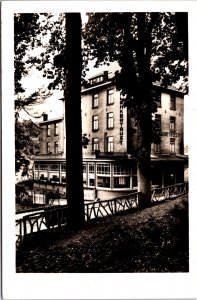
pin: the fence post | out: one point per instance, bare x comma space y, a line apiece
115, 206
21, 235
24, 228
139, 199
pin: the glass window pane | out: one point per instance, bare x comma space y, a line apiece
103, 182
103, 168
121, 182
110, 97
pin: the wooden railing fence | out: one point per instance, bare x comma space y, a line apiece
56, 217
169, 192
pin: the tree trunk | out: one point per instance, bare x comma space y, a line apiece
145, 120
144, 146
74, 175
144, 182
139, 86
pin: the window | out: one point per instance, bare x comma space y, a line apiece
103, 175
91, 168
121, 169
95, 144
54, 178
43, 167
84, 168
63, 167
110, 120
172, 102
110, 97
172, 146
84, 174
91, 174
95, 123
110, 144
35, 166
48, 148
103, 169
48, 130
96, 79
103, 182
121, 182
54, 167
63, 179
91, 182
158, 120
35, 175
56, 147
95, 100
158, 99
56, 125
157, 147
172, 123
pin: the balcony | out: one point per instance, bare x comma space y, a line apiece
115, 155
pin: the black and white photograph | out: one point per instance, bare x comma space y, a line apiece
97, 167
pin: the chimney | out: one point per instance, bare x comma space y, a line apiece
45, 117
105, 76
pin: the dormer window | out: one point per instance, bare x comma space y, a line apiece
97, 79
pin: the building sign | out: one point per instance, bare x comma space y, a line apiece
121, 123
169, 133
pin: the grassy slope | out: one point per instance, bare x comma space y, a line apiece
151, 240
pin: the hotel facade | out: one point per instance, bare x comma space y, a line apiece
109, 168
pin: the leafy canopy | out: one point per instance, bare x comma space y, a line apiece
156, 43
149, 47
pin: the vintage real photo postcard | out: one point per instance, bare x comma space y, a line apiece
99, 149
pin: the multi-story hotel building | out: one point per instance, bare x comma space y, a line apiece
109, 169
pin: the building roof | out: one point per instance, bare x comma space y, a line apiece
96, 86
168, 157
51, 121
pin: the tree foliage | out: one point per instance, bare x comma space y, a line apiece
39, 43
140, 42
27, 38
26, 143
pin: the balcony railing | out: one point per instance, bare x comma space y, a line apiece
51, 155
110, 154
